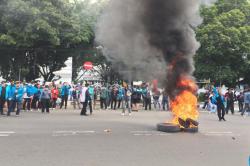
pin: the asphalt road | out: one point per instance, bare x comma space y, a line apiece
63, 138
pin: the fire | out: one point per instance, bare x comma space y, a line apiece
184, 106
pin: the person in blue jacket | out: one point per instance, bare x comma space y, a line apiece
64, 95
19, 97
121, 98
36, 94
29, 92
220, 100
11, 97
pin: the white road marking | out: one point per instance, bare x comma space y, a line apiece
220, 133
149, 133
71, 133
6, 133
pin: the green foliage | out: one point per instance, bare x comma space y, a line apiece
225, 42
45, 33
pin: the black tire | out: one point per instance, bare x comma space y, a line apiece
168, 127
191, 130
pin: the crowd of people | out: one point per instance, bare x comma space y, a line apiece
17, 96
217, 102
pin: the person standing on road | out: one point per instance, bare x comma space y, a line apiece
64, 95
230, 101
147, 99
54, 96
35, 100
27, 97
246, 101
2, 97
128, 92
75, 100
84, 99
19, 97
11, 97
165, 101
45, 99
114, 94
220, 100
240, 99
103, 98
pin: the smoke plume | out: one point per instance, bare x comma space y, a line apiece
151, 39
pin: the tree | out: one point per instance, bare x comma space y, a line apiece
45, 33
225, 42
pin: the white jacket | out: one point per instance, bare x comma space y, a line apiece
83, 94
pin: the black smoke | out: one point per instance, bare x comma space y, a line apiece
151, 38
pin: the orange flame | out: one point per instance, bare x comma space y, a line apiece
184, 106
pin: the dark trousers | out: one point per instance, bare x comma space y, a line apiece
165, 104
64, 100
84, 107
119, 104
220, 112
103, 103
2, 103
19, 107
246, 108
241, 106
11, 106
26, 103
205, 104
76, 102
34, 102
54, 103
45, 105
113, 103
147, 103
230, 106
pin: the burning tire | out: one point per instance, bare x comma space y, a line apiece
168, 127
191, 130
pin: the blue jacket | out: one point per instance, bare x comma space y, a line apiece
121, 93
30, 90
10, 92
35, 91
247, 97
65, 90
19, 95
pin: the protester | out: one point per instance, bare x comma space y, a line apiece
54, 96
156, 98
240, 99
230, 101
103, 98
2, 97
147, 99
220, 100
212, 103
246, 101
28, 97
19, 97
11, 97
128, 94
85, 99
207, 94
165, 101
64, 95
36, 95
45, 99
114, 94
75, 100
